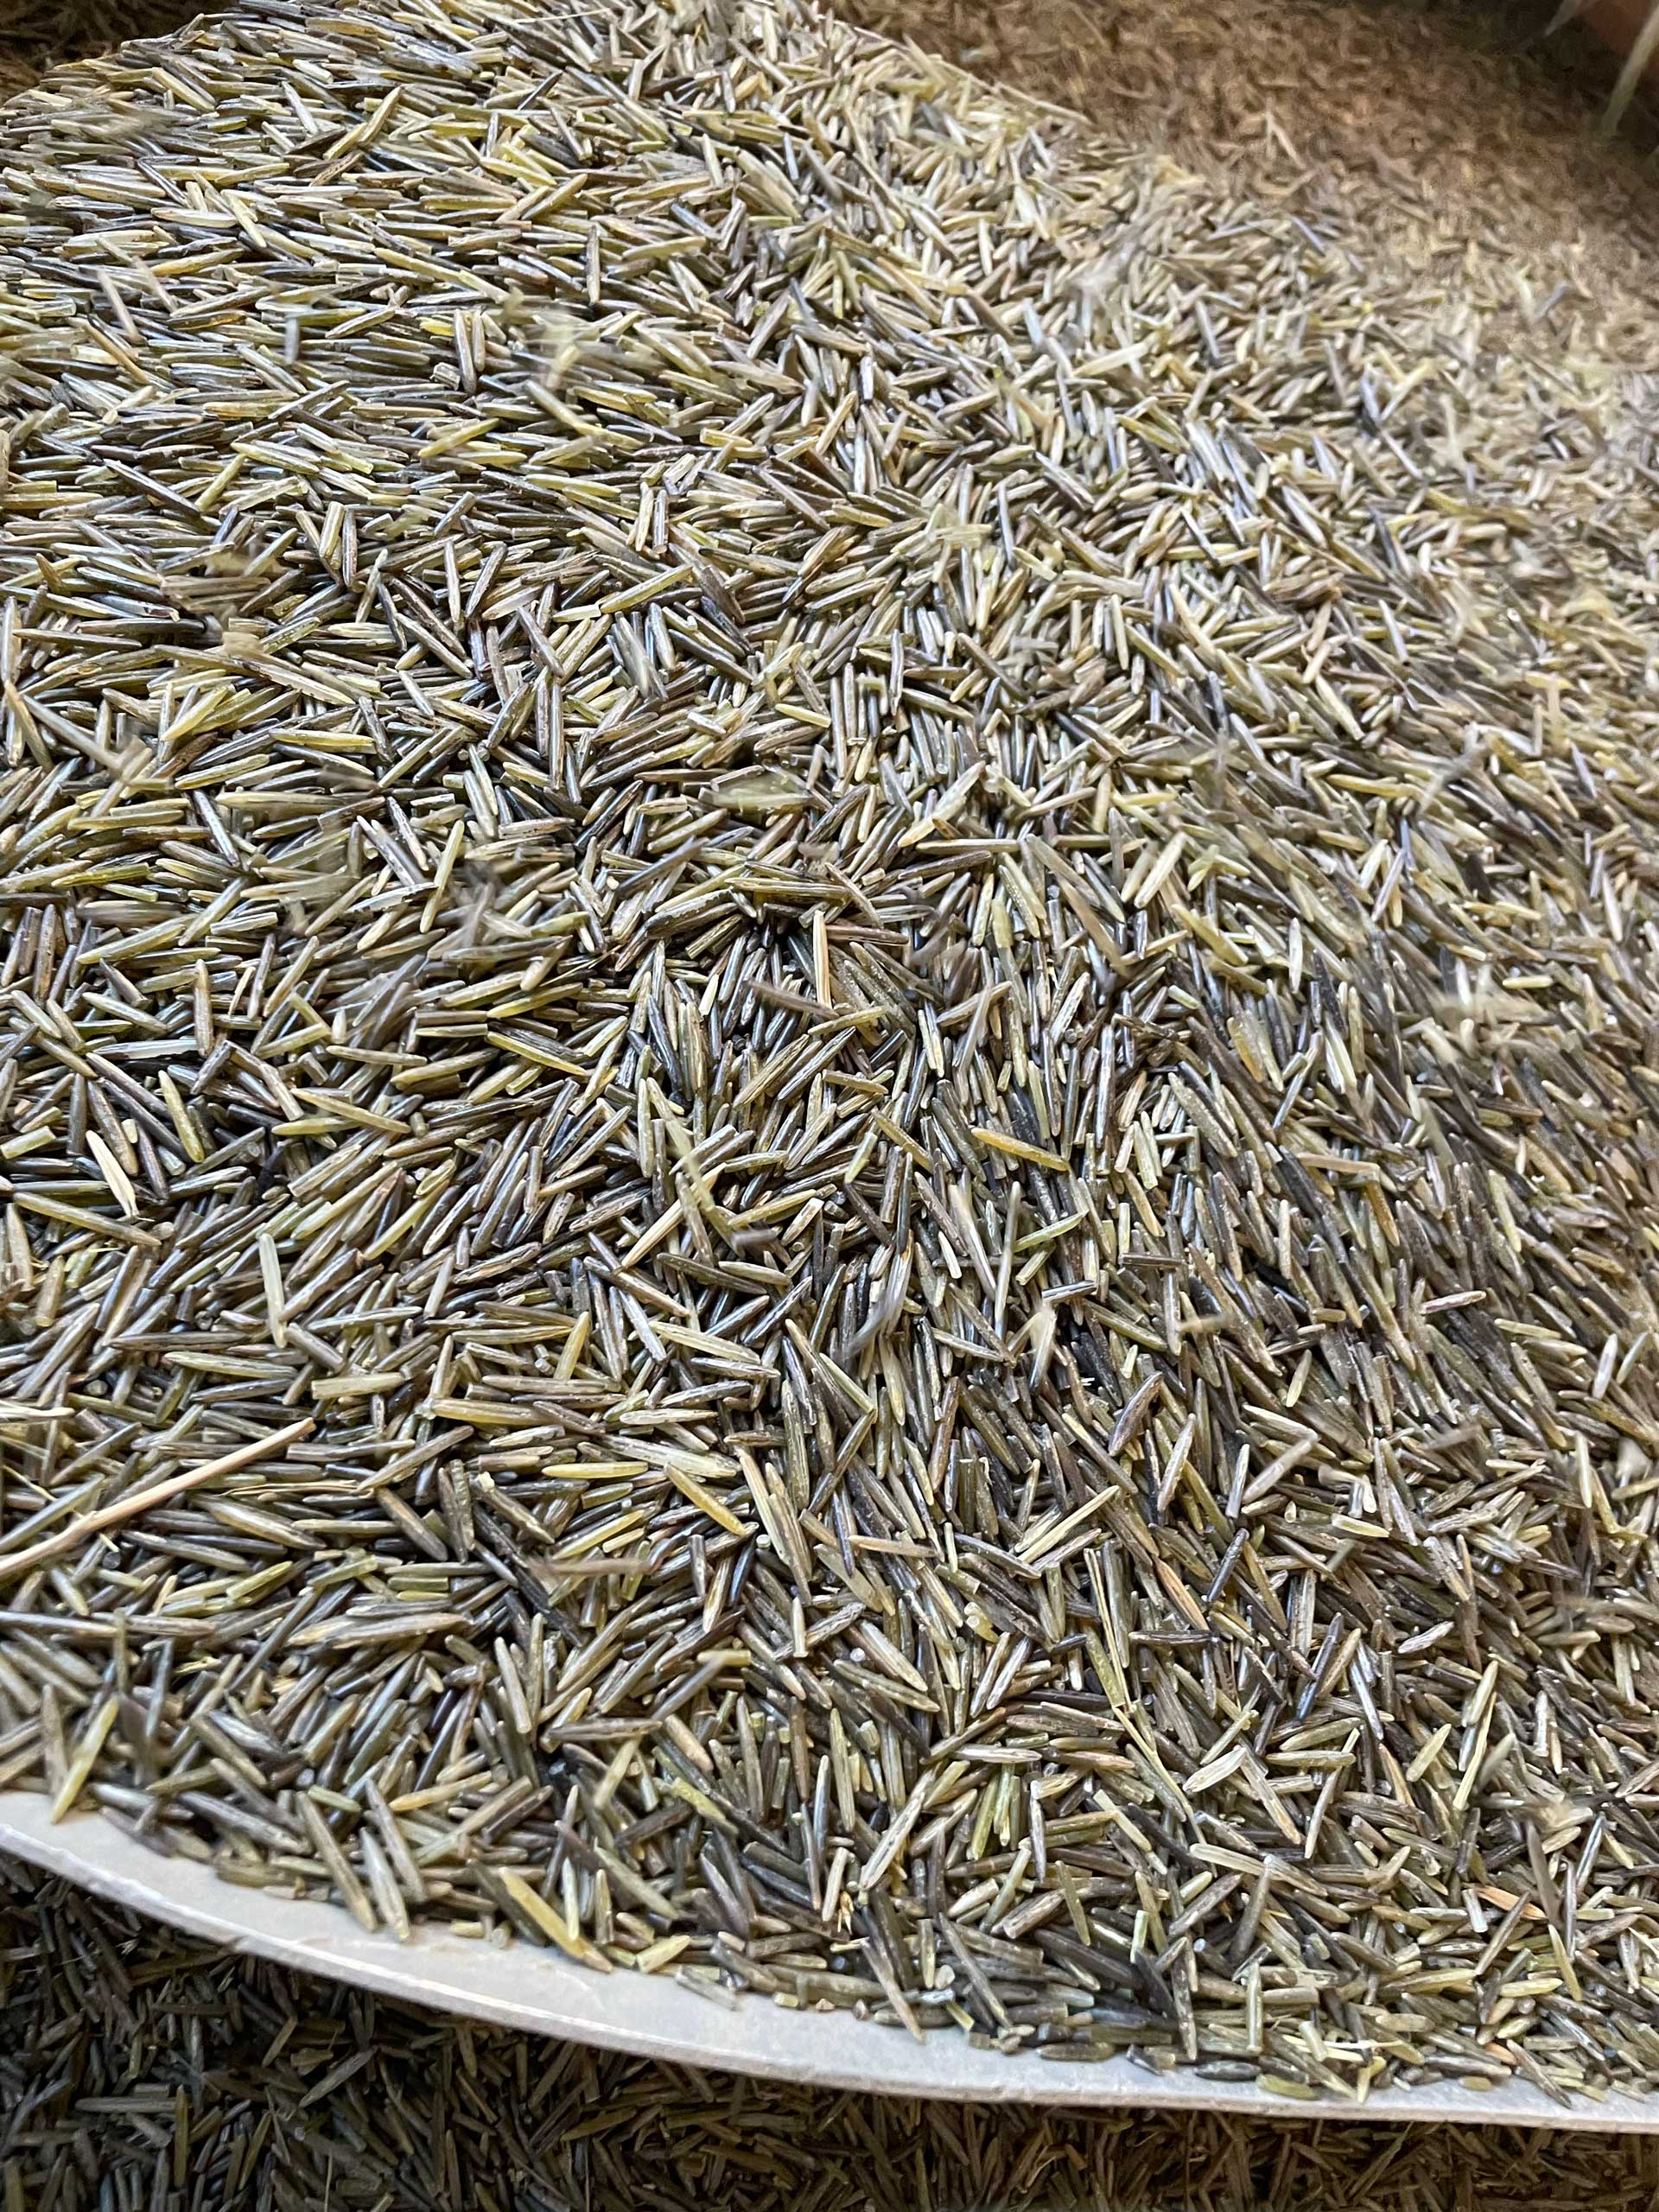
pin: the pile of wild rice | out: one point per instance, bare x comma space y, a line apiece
138, 2070
829, 1049
1470, 136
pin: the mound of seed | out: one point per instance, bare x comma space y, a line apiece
830, 1050
1471, 137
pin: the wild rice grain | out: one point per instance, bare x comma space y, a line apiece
828, 1070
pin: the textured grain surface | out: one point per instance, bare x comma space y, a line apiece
828, 1024
1444, 133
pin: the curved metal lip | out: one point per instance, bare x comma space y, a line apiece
541, 1993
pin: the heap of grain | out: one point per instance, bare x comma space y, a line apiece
830, 1050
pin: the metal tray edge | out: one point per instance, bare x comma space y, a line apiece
541, 1992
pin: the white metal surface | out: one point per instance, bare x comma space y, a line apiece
521, 1987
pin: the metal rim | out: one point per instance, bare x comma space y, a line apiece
541, 1993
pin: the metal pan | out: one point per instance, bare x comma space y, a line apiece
520, 1987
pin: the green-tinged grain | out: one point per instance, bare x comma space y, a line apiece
827, 1049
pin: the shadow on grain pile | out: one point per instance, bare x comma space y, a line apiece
36, 34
